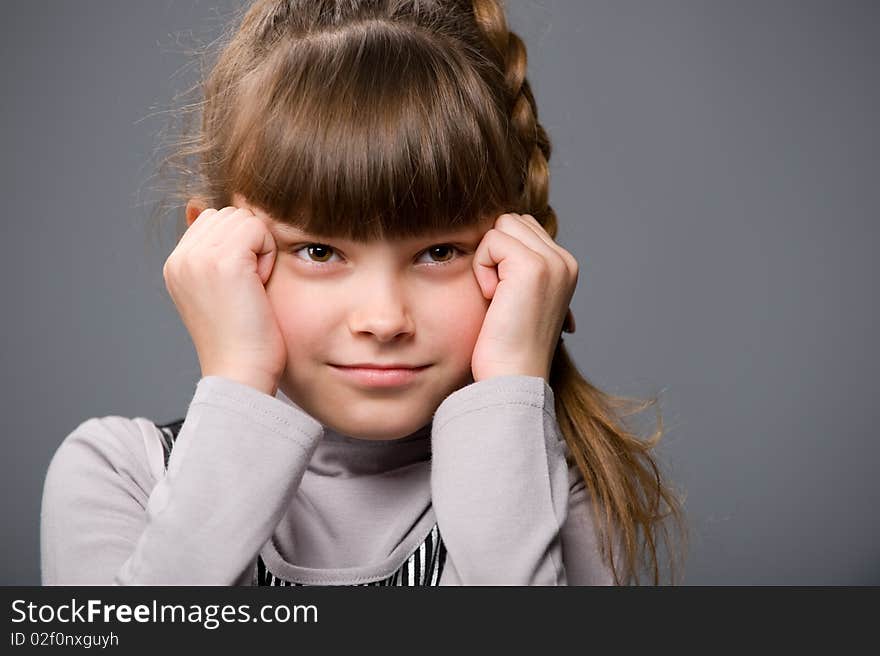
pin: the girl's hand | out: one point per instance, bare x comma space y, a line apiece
529, 293
216, 277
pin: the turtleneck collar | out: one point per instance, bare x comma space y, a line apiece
341, 455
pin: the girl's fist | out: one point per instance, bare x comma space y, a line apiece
216, 277
530, 281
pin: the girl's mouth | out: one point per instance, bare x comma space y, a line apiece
376, 377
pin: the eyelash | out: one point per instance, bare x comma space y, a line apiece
297, 248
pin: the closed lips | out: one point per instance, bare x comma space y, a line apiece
380, 366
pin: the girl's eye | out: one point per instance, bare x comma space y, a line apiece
449, 248
320, 249
323, 251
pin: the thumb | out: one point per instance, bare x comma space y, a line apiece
265, 264
485, 271
487, 279
266, 258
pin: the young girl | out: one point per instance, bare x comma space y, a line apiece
370, 279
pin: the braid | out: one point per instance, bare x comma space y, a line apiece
511, 54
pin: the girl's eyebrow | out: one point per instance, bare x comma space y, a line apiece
287, 229
292, 232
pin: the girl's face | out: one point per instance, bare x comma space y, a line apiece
342, 302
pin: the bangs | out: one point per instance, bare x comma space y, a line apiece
375, 132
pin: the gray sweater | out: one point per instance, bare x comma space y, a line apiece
253, 480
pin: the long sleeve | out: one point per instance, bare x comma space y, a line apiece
238, 459
503, 493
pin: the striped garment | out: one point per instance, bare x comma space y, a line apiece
422, 567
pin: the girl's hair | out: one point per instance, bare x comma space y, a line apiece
385, 119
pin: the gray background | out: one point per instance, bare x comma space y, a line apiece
715, 173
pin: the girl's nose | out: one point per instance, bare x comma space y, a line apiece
383, 326
382, 314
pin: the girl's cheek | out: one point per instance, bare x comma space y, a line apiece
292, 306
463, 318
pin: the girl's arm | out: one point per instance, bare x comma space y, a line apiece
501, 489
237, 461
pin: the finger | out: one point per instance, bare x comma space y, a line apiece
497, 255
569, 324
536, 231
532, 223
539, 230
204, 224
217, 232
252, 238
514, 225
197, 226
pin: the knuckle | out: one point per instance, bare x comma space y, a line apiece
203, 217
506, 220
168, 267
254, 223
563, 267
194, 263
570, 262
225, 265
541, 267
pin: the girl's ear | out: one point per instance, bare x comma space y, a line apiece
194, 207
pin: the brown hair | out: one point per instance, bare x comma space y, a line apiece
384, 119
